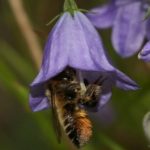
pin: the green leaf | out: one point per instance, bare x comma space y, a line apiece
109, 142
18, 63
9, 80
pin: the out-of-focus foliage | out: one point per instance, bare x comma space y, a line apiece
21, 129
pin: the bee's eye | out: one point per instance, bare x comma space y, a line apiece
67, 78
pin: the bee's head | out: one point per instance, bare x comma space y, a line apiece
67, 75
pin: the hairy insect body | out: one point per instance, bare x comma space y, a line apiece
75, 123
64, 93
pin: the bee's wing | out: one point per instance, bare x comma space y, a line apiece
57, 127
56, 122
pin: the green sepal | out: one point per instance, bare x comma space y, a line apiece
70, 6
55, 18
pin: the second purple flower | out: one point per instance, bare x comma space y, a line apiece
126, 17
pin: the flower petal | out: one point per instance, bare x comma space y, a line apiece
54, 60
124, 2
129, 29
38, 103
107, 115
124, 82
105, 97
103, 17
90, 50
145, 53
148, 28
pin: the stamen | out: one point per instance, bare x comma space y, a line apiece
47, 93
81, 80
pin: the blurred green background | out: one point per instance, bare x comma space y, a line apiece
117, 127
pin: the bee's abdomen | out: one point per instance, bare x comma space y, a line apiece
78, 127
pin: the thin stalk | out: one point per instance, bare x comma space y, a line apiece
27, 31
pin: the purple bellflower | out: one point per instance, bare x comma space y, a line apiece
74, 42
126, 17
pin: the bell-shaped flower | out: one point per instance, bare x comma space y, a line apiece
74, 42
126, 17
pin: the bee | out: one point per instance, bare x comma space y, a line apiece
64, 93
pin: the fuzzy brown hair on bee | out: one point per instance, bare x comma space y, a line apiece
77, 125
64, 93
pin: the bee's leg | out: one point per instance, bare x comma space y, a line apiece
93, 90
92, 95
81, 82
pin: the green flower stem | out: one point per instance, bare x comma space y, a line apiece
70, 5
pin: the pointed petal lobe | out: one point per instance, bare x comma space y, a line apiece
124, 82
38, 103
145, 53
